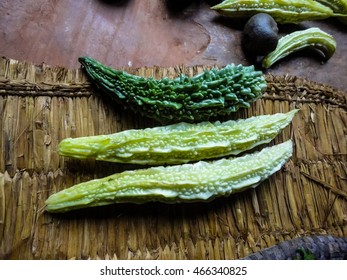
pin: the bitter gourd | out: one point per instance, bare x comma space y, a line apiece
338, 6
214, 92
312, 37
201, 181
283, 11
178, 143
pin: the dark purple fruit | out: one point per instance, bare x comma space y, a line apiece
260, 35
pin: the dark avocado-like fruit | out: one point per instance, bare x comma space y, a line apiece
260, 35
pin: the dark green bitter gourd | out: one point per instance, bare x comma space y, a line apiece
215, 92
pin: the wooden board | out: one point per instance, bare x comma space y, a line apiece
40, 106
151, 33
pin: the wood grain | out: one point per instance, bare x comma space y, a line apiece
141, 33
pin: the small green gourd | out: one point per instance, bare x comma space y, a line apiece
283, 11
293, 42
201, 181
178, 143
215, 92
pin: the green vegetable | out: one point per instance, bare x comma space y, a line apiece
210, 94
178, 143
199, 181
338, 6
283, 11
312, 37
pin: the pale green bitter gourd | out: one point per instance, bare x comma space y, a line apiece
178, 143
201, 181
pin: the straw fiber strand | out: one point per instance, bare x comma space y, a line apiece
41, 105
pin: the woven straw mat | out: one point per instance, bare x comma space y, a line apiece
41, 105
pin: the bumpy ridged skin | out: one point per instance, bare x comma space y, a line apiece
283, 11
216, 92
178, 143
201, 181
338, 6
312, 37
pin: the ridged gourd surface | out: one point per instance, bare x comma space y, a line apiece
178, 143
215, 92
200, 181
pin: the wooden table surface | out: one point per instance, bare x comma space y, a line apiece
146, 33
